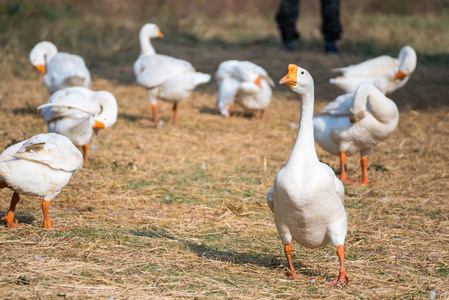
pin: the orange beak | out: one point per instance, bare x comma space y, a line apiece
98, 125
290, 79
40, 68
160, 34
257, 81
399, 75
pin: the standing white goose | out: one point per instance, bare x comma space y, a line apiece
244, 83
387, 73
60, 70
355, 123
40, 166
166, 78
75, 112
307, 198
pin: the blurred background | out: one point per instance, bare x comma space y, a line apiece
105, 32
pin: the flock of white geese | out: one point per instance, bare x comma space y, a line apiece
306, 198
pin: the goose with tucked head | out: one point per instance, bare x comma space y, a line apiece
387, 73
307, 198
76, 112
40, 166
355, 123
60, 70
166, 78
244, 83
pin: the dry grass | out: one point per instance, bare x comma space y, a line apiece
147, 219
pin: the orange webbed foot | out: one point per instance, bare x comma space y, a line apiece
9, 218
342, 279
48, 226
344, 180
364, 182
293, 276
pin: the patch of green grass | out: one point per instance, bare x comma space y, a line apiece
379, 168
134, 185
14, 12
442, 270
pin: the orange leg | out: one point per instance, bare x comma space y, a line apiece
364, 164
288, 253
84, 153
342, 277
343, 177
262, 113
230, 108
47, 223
175, 112
154, 107
10, 216
45, 208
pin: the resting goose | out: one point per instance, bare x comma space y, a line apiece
244, 83
355, 123
307, 198
40, 166
75, 112
166, 78
60, 70
387, 73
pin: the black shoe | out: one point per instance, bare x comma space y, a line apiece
288, 46
331, 48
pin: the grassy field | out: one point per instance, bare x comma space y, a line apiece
179, 212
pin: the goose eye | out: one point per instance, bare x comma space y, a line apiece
302, 72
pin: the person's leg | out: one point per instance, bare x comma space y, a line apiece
286, 19
331, 27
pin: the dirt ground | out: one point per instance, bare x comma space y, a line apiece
179, 212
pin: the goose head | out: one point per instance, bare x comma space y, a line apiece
108, 115
298, 79
41, 54
150, 31
407, 62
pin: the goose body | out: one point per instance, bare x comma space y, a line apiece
307, 198
355, 123
61, 70
166, 78
244, 83
75, 113
386, 73
40, 166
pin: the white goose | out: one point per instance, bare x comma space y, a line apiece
307, 198
386, 73
75, 112
166, 78
40, 166
355, 123
244, 83
60, 70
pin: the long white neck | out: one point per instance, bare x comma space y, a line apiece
108, 104
48, 50
145, 45
304, 148
381, 107
407, 60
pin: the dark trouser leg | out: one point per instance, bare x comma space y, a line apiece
331, 27
286, 19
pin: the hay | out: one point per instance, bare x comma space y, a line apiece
148, 219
